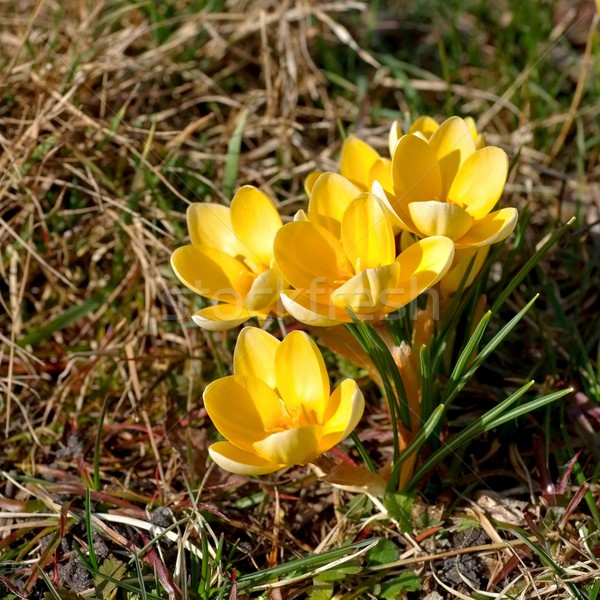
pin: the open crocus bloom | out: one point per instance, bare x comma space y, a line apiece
445, 186
230, 259
344, 255
277, 409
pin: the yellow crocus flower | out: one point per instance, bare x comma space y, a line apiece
344, 254
230, 259
277, 409
445, 186
425, 127
363, 165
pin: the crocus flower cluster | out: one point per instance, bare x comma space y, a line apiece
374, 236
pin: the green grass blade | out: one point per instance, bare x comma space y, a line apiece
233, 156
301, 565
470, 432
486, 351
416, 443
526, 268
369, 464
427, 384
549, 561
90, 530
378, 351
68, 317
49, 584
490, 420
457, 377
526, 408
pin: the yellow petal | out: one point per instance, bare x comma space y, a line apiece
330, 197
422, 265
265, 290
367, 236
381, 171
424, 125
451, 144
235, 460
210, 225
255, 222
356, 161
479, 182
493, 228
399, 223
367, 292
310, 181
478, 138
221, 317
212, 273
254, 355
415, 172
462, 259
244, 409
393, 137
308, 256
302, 378
440, 218
311, 312
470, 123
291, 447
344, 411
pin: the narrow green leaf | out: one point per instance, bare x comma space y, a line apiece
526, 268
380, 354
526, 408
499, 337
466, 355
53, 593
416, 443
475, 429
301, 565
460, 300
369, 464
454, 388
90, 530
427, 399
233, 155
69, 316
490, 420
550, 562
